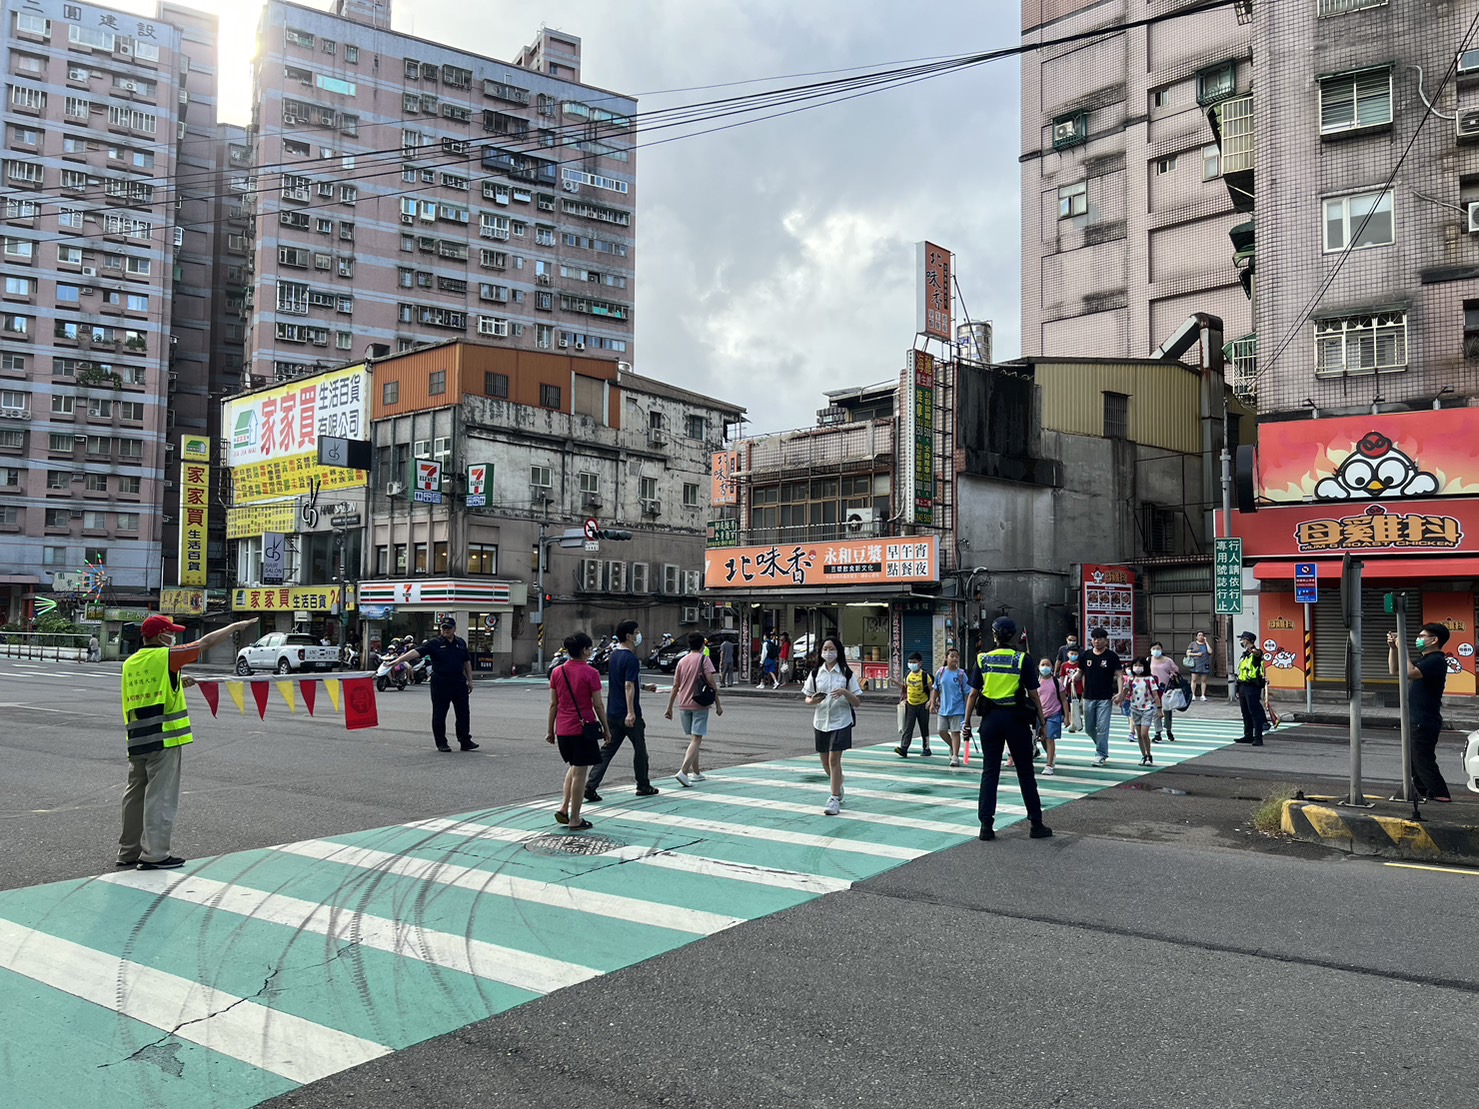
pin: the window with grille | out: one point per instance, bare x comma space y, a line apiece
1361, 344
1116, 416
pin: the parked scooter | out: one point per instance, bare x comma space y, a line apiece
560, 656
657, 649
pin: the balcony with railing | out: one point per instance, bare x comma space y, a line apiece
836, 448
1233, 125
1241, 356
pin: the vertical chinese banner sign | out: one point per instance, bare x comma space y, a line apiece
195, 500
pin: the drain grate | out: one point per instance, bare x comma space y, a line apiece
571, 843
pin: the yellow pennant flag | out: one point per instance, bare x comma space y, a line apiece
238, 694
286, 689
332, 686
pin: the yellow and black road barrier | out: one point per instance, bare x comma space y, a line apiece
1365, 832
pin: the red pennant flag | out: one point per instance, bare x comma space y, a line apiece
309, 688
359, 704
212, 694
260, 693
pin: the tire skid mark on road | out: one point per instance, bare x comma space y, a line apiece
459, 910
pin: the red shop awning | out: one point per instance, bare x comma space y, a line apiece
1377, 566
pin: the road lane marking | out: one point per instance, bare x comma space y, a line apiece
535, 973
1439, 869
657, 856
292, 1047
490, 883
750, 831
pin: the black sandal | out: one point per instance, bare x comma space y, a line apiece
584, 825
562, 817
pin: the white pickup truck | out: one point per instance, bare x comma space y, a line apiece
285, 653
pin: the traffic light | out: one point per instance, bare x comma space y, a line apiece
549, 599
614, 534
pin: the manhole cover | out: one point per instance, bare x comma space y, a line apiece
571, 843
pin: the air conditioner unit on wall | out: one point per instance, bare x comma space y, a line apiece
394, 488
861, 521
588, 578
1473, 217
690, 614
1466, 124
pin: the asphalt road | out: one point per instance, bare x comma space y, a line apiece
1144, 956
250, 782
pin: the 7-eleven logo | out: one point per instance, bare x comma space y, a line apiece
428, 475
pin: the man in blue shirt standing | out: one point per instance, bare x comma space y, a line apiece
624, 711
451, 682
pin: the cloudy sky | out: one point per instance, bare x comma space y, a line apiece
776, 260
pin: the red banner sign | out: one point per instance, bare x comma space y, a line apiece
1393, 527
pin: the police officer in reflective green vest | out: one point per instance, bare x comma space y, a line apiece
1251, 682
158, 728
1004, 686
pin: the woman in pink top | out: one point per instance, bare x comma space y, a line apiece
574, 705
693, 714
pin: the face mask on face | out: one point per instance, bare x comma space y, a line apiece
1139, 669
829, 656
1045, 671
914, 667
1072, 656
1421, 643
638, 639
1157, 653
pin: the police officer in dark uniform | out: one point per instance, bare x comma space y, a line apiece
451, 682
1251, 680
1004, 685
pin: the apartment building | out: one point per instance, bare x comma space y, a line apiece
1125, 216
532, 444
410, 192
109, 121
1364, 363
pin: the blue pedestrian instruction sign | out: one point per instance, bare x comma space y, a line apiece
1306, 583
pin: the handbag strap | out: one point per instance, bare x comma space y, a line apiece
574, 701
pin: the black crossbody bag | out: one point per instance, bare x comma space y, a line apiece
588, 730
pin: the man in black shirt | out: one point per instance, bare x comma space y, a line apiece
1428, 674
1101, 668
451, 682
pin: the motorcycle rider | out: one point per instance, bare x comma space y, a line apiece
451, 682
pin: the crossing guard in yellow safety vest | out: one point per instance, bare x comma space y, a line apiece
1251, 681
156, 723
1005, 687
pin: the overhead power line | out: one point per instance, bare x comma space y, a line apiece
757, 107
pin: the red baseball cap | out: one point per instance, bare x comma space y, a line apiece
158, 625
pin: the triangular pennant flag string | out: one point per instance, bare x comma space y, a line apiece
286, 689
212, 694
238, 694
309, 687
260, 693
331, 686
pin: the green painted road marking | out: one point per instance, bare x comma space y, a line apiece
297, 961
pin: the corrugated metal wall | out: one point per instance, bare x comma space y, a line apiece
1165, 403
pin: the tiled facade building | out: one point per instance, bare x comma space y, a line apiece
108, 207
410, 192
1125, 220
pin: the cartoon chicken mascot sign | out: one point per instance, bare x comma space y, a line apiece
1376, 468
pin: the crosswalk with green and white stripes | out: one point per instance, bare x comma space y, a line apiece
243, 976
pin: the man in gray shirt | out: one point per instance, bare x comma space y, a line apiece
726, 663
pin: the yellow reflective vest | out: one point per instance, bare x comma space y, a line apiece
1250, 666
154, 713
1001, 676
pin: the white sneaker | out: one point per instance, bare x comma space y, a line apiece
1100, 762
833, 805
698, 776
1049, 771
954, 762
683, 779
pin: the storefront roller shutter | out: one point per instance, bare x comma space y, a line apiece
1331, 635
919, 635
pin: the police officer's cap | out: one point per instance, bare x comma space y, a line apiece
1248, 637
1004, 628
448, 622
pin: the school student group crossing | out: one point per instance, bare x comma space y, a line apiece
244, 976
